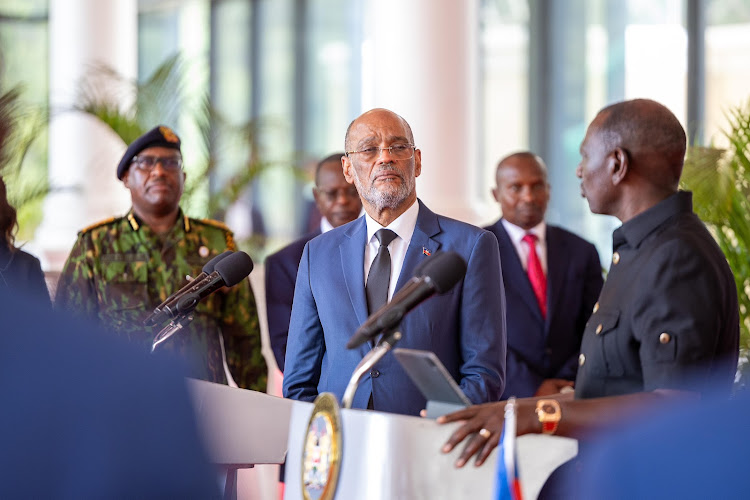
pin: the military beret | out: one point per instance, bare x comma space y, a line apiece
160, 136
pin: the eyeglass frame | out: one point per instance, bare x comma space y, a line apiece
157, 159
332, 195
389, 149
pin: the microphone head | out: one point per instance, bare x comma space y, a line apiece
211, 264
444, 269
234, 268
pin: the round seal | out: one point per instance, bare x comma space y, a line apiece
321, 453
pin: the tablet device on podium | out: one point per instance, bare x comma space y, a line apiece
437, 385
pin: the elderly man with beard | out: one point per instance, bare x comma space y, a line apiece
464, 327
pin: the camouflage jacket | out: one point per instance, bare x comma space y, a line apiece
119, 270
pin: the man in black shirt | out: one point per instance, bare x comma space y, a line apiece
667, 315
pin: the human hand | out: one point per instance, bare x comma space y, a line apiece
552, 386
483, 425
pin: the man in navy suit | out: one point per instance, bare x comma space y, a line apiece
464, 327
338, 203
543, 345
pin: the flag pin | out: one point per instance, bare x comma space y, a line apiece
426, 252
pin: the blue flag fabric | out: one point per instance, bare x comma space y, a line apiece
508, 484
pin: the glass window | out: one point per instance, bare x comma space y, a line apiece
231, 96
504, 111
274, 107
548, 67
164, 30
331, 98
727, 62
24, 52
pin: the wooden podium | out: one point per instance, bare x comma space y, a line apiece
383, 456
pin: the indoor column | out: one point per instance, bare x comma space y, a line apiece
420, 59
83, 153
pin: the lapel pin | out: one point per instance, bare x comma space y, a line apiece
426, 252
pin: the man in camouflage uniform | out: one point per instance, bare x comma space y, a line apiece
120, 269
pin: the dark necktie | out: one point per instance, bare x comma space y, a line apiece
379, 277
536, 274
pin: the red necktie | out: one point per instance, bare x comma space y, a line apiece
536, 274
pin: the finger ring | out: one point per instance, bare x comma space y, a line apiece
485, 433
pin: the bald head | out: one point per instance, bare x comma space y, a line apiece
525, 157
383, 163
522, 189
631, 158
652, 136
376, 114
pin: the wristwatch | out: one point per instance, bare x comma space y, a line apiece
549, 414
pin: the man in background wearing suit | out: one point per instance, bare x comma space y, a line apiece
347, 274
552, 279
338, 203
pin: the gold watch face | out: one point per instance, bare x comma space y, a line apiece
321, 453
548, 410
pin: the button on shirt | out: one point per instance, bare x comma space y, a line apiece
668, 314
403, 226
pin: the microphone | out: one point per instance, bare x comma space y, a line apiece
228, 271
436, 274
170, 301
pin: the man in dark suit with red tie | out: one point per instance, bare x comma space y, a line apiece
552, 279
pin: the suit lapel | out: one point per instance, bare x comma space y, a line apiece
352, 251
513, 270
557, 254
421, 245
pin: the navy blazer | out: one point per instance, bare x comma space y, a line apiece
539, 349
109, 420
21, 273
281, 273
464, 327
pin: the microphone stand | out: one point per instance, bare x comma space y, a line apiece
177, 324
390, 337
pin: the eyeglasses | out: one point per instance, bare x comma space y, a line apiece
332, 195
147, 163
397, 151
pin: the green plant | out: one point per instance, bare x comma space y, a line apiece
720, 181
171, 96
21, 125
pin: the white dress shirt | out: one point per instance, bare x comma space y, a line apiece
522, 249
325, 226
403, 226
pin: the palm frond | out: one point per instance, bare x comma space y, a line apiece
169, 96
720, 182
21, 124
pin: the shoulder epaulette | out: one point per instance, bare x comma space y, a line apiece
98, 224
215, 223
228, 234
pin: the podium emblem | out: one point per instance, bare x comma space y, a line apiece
321, 453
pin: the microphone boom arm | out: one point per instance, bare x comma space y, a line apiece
368, 361
173, 327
